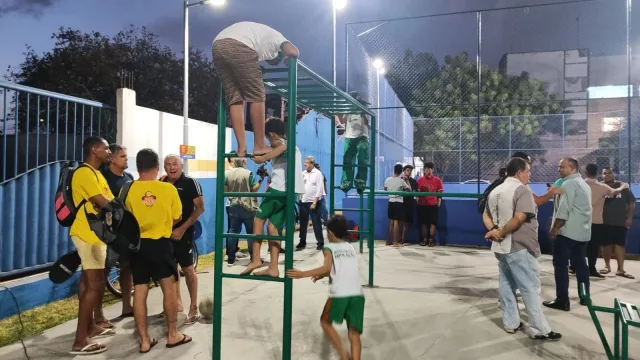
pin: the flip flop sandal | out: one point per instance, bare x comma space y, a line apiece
605, 271
106, 325
192, 320
97, 349
185, 340
104, 333
625, 275
153, 343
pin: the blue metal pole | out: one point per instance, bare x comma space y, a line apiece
15, 150
38, 121
57, 128
48, 126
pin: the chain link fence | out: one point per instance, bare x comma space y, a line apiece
552, 81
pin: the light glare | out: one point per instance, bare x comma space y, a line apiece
216, 2
378, 63
339, 4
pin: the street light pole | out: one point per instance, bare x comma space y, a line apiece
185, 92
335, 15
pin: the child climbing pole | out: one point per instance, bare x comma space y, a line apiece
356, 147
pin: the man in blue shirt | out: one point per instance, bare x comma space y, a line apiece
570, 232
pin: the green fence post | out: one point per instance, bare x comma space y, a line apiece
217, 276
332, 172
371, 196
361, 223
616, 335
291, 199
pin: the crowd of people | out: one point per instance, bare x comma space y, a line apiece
166, 210
588, 215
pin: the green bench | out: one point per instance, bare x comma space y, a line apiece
625, 315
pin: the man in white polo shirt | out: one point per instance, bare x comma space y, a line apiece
310, 203
237, 52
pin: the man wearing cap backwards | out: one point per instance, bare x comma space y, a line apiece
237, 52
356, 145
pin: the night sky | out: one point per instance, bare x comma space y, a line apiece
307, 23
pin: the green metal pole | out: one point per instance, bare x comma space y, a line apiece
217, 276
371, 196
332, 172
616, 335
291, 198
361, 223
625, 341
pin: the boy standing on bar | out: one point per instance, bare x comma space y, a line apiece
346, 301
274, 209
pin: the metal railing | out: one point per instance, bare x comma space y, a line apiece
40, 127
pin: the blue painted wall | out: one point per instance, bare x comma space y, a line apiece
460, 224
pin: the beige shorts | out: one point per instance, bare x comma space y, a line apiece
92, 256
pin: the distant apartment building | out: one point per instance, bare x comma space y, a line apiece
596, 90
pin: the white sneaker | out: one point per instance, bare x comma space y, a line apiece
229, 265
241, 255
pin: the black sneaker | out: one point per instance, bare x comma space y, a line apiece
300, 248
596, 274
553, 304
552, 336
319, 247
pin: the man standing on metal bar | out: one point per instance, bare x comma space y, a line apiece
570, 232
192, 202
510, 217
310, 204
237, 52
274, 209
242, 210
356, 146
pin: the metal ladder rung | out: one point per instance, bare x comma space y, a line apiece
253, 277
356, 232
351, 209
253, 237
348, 166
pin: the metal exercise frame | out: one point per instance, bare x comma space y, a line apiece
310, 91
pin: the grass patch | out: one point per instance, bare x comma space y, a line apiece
44, 317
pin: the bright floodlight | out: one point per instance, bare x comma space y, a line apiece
382, 71
378, 64
216, 2
339, 4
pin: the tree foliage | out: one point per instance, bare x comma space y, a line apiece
93, 65
443, 100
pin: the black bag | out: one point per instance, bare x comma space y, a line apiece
64, 268
115, 225
482, 202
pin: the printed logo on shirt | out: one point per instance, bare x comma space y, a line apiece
148, 199
338, 254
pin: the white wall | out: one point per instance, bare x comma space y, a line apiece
140, 127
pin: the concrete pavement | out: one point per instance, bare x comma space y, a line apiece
429, 303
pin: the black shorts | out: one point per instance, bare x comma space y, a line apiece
154, 261
598, 233
409, 210
428, 214
395, 211
113, 258
183, 249
613, 235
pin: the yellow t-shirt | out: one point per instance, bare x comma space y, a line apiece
156, 205
86, 183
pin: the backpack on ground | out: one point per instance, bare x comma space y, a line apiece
482, 202
63, 200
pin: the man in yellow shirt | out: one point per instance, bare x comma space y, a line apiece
90, 192
157, 207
